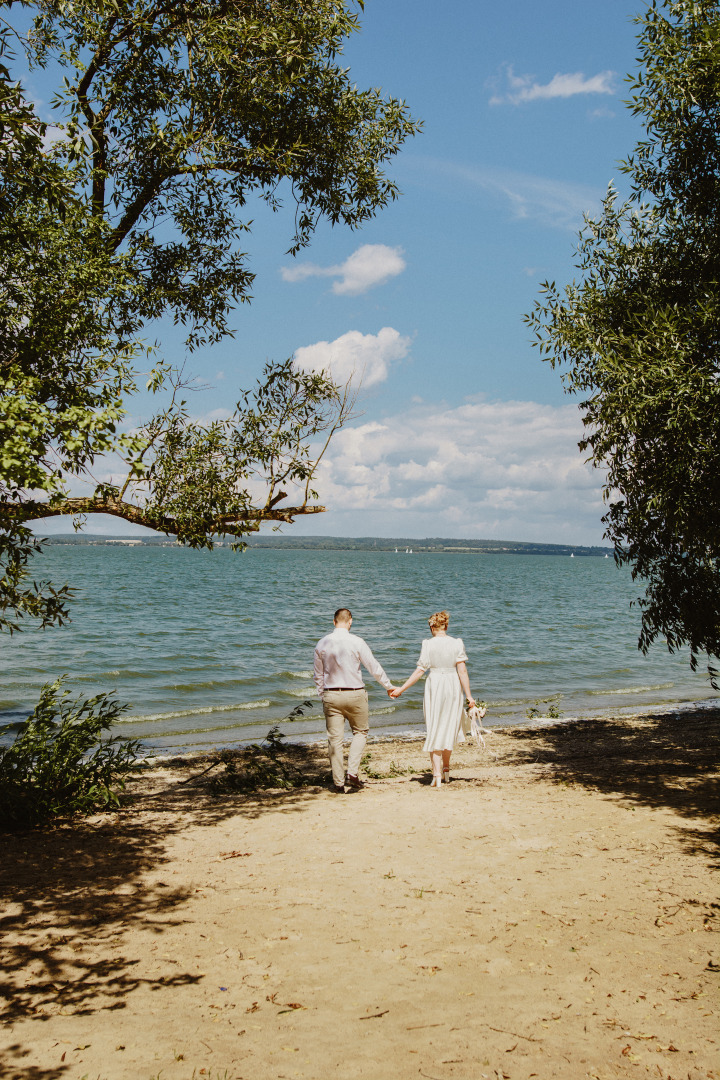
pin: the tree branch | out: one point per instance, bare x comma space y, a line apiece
138, 515
136, 208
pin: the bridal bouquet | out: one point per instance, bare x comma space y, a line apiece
475, 722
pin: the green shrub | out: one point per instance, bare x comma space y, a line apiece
262, 765
552, 711
267, 764
394, 770
59, 762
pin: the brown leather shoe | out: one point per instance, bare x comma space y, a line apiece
338, 789
354, 782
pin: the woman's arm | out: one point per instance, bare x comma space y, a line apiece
465, 682
417, 674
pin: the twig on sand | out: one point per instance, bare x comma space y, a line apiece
559, 919
506, 1031
180, 783
373, 1016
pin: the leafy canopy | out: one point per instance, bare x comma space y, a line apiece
169, 119
638, 336
177, 113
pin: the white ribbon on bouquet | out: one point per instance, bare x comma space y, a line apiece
475, 724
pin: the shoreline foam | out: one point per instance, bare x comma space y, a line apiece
379, 733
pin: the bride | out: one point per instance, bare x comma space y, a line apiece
443, 657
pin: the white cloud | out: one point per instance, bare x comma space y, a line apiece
507, 470
364, 358
522, 88
484, 469
53, 135
370, 265
603, 113
556, 203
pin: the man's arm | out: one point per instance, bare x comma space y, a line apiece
319, 674
374, 668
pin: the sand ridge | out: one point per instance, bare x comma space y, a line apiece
552, 912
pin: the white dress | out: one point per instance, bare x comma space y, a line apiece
443, 701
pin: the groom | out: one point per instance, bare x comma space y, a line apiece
339, 683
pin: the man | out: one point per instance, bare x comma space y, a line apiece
339, 683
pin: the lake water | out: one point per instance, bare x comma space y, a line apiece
211, 648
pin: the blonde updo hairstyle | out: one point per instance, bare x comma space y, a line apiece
439, 621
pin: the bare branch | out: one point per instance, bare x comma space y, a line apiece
345, 413
138, 515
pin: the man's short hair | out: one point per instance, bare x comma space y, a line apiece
342, 614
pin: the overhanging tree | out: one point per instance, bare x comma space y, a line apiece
639, 335
60, 394
172, 118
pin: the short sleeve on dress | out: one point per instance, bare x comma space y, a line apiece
424, 658
462, 655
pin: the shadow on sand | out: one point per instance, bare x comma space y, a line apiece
70, 893
664, 760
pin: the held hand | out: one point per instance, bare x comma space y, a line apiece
471, 702
395, 692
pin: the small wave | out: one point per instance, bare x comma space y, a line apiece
383, 712
632, 690
294, 675
150, 717
307, 691
208, 684
527, 664
114, 673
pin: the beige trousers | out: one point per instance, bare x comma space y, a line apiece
339, 706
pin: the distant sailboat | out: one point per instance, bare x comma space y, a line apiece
572, 554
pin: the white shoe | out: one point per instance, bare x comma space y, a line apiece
436, 781
446, 776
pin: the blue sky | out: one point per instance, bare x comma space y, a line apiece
464, 431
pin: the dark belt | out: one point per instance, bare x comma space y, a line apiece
349, 689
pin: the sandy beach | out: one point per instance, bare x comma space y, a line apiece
552, 912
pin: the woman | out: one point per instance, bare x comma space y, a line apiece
444, 658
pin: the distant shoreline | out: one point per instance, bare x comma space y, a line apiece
401, 545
